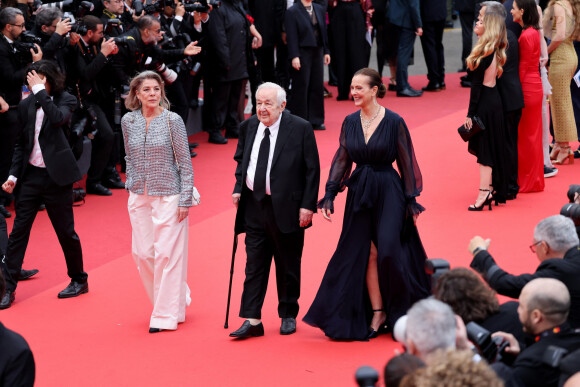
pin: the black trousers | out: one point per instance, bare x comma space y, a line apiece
3, 236
406, 45
467, 19
432, 43
266, 66
306, 98
9, 130
349, 46
32, 189
177, 95
512, 121
225, 98
102, 145
264, 240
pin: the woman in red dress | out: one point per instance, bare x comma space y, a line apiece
530, 153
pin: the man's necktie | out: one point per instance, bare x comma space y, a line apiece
262, 166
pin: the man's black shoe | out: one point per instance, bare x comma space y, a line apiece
248, 330
7, 300
215, 137
193, 145
465, 84
319, 127
26, 274
111, 183
409, 92
74, 289
434, 86
98, 189
392, 87
4, 211
192, 154
288, 326
42, 207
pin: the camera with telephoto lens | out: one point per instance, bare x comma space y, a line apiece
150, 6
27, 42
168, 75
490, 348
366, 376
572, 209
79, 28
572, 191
201, 5
64, 6
436, 267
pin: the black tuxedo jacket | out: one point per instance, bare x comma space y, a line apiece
508, 85
433, 10
16, 361
294, 174
299, 32
565, 269
58, 157
12, 74
268, 18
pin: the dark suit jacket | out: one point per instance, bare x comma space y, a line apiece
433, 10
565, 269
294, 174
268, 18
16, 361
12, 73
60, 162
405, 13
506, 320
508, 85
465, 5
299, 32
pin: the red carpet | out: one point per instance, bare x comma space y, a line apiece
101, 338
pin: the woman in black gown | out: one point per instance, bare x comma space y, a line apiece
485, 65
376, 272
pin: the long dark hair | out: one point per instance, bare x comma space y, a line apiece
531, 17
53, 75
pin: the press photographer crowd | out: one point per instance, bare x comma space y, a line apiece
462, 336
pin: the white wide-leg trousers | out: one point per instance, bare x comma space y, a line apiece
160, 252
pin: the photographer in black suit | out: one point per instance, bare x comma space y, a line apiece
52, 29
555, 245
43, 171
12, 71
433, 15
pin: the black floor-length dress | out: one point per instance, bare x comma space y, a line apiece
379, 208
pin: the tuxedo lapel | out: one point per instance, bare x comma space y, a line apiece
31, 121
252, 130
283, 135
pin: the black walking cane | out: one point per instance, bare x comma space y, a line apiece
231, 278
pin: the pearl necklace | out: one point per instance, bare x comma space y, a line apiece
366, 124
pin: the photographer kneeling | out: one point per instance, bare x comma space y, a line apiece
543, 310
555, 244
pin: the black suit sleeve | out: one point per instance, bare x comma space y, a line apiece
312, 176
58, 116
20, 371
292, 35
239, 157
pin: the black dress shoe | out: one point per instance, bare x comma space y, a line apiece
433, 86
215, 137
4, 211
7, 300
319, 127
74, 289
465, 83
193, 145
288, 326
192, 154
392, 87
98, 189
111, 183
409, 92
155, 330
26, 274
42, 207
248, 330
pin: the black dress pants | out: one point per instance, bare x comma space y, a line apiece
467, 19
9, 130
266, 65
306, 98
349, 45
406, 45
102, 145
432, 43
512, 121
32, 189
225, 98
264, 240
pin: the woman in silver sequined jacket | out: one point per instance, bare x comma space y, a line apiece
160, 185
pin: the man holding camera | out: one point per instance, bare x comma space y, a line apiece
13, 60
543, 310
113, 10
52, 29
93, 79
555, 244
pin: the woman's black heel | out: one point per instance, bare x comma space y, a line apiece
382, 328
487, 201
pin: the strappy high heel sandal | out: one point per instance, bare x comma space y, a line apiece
382, 327
555, 151
564, 155
486, 202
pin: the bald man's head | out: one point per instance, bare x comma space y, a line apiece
544, 304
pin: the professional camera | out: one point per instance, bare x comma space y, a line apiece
201, 5
436, 267
168, 75
65, 6
79, 27
27, 41
490, 348
572, 191
123, 40
572, 211
150, 6
83, 8
366, 376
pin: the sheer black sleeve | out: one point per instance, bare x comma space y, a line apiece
477, 83
409, 170
339, 172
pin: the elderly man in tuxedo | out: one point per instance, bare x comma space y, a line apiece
43, 171
277, 179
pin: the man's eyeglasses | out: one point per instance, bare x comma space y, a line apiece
18, 25
533, 246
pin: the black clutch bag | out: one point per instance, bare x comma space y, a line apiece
476, 127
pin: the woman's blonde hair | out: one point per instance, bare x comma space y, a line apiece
493, 40
132, 103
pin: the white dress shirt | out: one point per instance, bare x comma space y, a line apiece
256, 149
